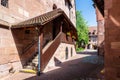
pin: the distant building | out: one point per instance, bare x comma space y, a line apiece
93, 37
25, 22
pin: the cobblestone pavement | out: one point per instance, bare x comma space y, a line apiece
80, 67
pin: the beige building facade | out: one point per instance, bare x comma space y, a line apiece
20, 10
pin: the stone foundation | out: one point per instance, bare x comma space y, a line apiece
60, 55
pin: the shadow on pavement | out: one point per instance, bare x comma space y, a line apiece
77, 69
90, 52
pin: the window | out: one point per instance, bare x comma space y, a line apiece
89, 33
4, 3
68, 4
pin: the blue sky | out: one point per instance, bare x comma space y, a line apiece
88, 11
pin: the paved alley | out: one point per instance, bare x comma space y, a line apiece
80, 67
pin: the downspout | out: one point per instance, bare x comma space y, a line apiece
38, 31
38, 56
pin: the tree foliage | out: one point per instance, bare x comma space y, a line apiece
82, 30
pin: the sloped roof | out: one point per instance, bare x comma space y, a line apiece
93, 29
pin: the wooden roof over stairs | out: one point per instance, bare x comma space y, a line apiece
44, 19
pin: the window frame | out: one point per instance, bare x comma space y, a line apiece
4, 3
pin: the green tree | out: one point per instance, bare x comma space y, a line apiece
82, 30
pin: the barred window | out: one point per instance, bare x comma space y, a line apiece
4, 3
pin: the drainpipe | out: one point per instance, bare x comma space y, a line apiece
38, 56
38, 31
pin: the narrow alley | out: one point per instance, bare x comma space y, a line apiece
83, 66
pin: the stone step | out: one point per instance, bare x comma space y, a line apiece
32, 64
36, 63
28, 67
36, 57
33, 67
35, 60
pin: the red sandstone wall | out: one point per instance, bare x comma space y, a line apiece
112, 39
8, 52
100, 26
7, 46
101, 31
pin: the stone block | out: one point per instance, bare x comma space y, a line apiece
8, 18
5, 67
11, 50
108, 4
17, 65
4, 73
2, 50
1, 15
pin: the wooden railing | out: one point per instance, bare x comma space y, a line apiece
26, 48
29, 53
46, 56
29, 50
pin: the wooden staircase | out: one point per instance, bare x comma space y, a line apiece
33, 63
47, 53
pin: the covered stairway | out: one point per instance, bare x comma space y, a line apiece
33, 35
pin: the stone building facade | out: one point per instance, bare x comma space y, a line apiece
93, 37
15, 11
18, 10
